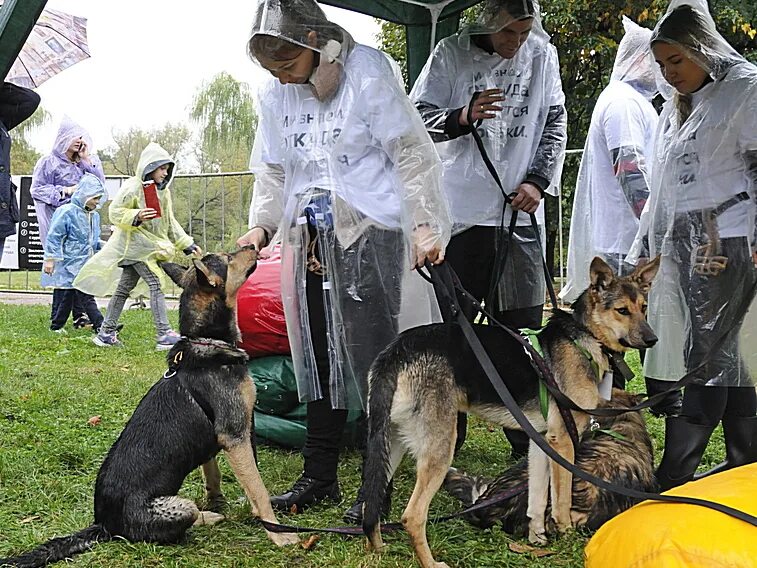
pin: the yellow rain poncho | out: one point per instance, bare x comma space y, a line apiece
150, 241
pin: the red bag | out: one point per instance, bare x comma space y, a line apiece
260, 311
152, 200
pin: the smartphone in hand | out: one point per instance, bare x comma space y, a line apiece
151, 197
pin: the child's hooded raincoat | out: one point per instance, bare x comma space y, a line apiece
74, 234
55, 172
151, 241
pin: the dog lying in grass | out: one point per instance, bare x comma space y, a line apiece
202, 405
619, 452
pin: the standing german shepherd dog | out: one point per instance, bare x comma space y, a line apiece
619, 452
202, 405
420, 382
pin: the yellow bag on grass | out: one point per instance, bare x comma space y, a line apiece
671, 535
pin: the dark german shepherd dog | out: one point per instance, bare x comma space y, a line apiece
428, 374
202, 405
619, 451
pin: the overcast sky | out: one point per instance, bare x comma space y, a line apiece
150, 56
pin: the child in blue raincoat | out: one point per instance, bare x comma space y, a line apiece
73, 237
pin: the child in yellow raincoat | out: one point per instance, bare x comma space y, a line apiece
142, 238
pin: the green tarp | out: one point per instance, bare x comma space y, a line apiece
417, 19
17, 18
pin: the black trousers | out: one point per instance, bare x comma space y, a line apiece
325, 425
77, 308
63, 303
709, 405
472, 255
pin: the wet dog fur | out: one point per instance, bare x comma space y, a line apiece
202, 405
626, 461
421, 380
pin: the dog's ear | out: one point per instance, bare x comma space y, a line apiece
646, 273
175, 272
600, 274
206, 278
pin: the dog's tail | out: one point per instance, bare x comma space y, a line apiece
59, 548
383, 384
466, 488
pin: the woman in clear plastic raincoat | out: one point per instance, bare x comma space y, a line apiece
506, 61
701, 219
347, 173
140, 241
73, 238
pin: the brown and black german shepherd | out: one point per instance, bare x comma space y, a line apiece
420, 381
619, 451
202, 405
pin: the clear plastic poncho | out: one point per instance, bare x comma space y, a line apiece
357, 173
701, 213
151, 241
74, 234
613, 180
55, 172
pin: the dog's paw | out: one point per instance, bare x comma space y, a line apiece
284, 539
538, 538
208, 518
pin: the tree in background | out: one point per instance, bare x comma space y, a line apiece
222, 110
23, 155
586, 34
121, 158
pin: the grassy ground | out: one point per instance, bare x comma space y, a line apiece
50, 386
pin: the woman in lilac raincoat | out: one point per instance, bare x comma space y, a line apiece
54, 180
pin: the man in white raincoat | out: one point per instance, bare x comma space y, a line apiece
613, 180
347, 174
701, 219
505, 71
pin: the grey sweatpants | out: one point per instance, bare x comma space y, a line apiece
129, 278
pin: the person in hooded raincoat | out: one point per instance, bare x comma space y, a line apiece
613, 179
73, 238
16, 105
54, 180
128, 264
504, 70
348, 175
701, 219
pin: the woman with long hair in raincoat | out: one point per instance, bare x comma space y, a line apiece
128, 264
701, 219
347, 174
506, 72
54, 181
73, 238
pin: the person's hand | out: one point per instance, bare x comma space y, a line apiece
49, 266
426, 246
528, 198
70, 190
83, 152
256, 237
483, 106
148, 213
197, 252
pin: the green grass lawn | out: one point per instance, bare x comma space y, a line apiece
50, 386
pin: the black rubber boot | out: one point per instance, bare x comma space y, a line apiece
354, 515
670, 405
685, 443
462, 430
518, 443
305, 492
740, 443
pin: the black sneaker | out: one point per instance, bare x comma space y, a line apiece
82, 322
354, 515
306, 491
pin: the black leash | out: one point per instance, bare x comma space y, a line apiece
500, 264
394, 527
509, 402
